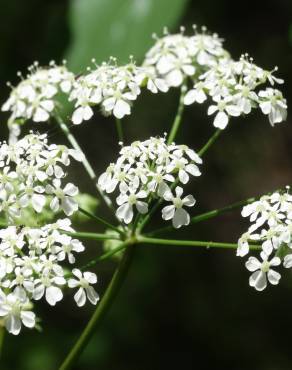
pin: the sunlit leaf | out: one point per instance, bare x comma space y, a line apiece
104, 28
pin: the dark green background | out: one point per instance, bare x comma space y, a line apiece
180, 308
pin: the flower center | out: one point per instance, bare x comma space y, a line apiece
177, 202
265, 266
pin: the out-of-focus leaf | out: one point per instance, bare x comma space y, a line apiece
85, 201
119, 28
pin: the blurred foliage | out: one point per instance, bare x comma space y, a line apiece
119, 28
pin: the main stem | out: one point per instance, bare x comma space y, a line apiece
100, 310
178, 117
85, 162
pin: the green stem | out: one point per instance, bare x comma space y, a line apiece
92, 236
192, 243
2, 335
100, 310
210, 142
119, 130
104, 256
207, 215
85, 162
178, 117
101, 220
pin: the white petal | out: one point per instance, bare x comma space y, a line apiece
168, 212
181, 217
189, 201
80, 297
273, 277
253, 264
92, 296
38, 201
221, 120
142, 207
28, 319
53, 295
121, 109
125, 213
69, 206
13, 324
258, 280
70, 189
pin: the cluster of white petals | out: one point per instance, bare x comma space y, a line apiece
31, 268
271, 229
177, 57
148, 170
233, 87
31, 175
112, 87
33, 97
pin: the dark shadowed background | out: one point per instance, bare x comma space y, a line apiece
180, 308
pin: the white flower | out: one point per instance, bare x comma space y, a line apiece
63, 197
83, 113
196, 94
33, 98
68, 245
262, 271
225, 108
126, 203
273, 104
85, 290
176, 212
15, 309
47, 286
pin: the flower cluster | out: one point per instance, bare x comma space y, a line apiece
112, 87
176, 57
150, 169
30, 270
232, 87
33, 98
271, 229
31, 174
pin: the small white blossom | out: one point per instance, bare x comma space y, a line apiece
85, 290
262, 271
16, 310
176, 212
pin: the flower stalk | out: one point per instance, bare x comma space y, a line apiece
178, 117
100, 311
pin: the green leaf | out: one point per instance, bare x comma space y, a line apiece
119, 28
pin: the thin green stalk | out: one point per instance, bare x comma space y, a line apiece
148, 216
210, 142
206, 216
191, 243
178, 117
2, 335
104, 256
101, 220
92, 236
85, 162
100, 310
119, 130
